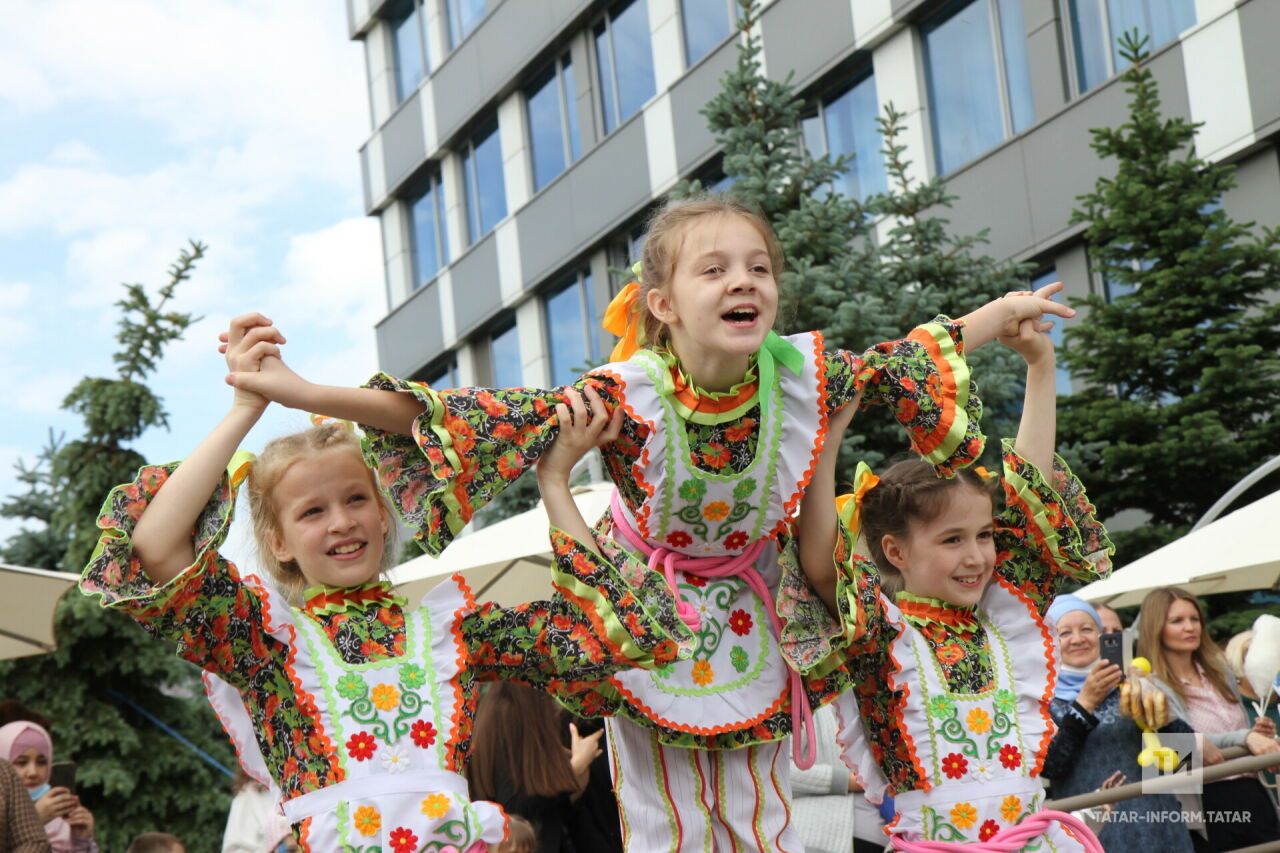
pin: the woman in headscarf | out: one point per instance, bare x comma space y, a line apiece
69, 825
1094, 740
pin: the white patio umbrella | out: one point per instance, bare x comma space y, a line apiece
1237, 552
26, 609
505, 562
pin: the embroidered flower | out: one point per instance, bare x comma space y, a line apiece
422, 733
367, 820
412, 676
1011, 808
738, 657
1005, 701
435, 805
942, 706
740, 622
702, 673
978, 720
988, 829
735, 540
403, 840
693, 490
964, 815
385, 696
745, 487
715, 511
955, 765
395, 759
679, 539
740, 432
351, 686
665, 671
695, 580
1010, 756
361, 745
715, 454
951, 653
984, 769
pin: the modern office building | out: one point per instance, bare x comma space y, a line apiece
517, 145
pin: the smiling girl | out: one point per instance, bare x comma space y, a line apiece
944, 632
354, 707
722, 422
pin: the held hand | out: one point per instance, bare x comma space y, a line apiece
1001, 317
1101, 679
1265, 726
249, 341
1260, 744
57, 802
1031, 342
583, 750
579, 432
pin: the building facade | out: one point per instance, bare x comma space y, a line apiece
518, 145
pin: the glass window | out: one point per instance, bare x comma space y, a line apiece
482, 173
441, 375
412, 61
463, 16
706, 24
1063, 379
1096, 27
625, 59
430, 237
553, 121
570, 320
845, 123
979, 91
504, 358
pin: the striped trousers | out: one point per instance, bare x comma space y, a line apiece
674, 800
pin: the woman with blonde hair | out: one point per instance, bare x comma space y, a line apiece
1193, 673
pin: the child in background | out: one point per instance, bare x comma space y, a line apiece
520, 837
715, 425
354, 706
156, 842
944, 631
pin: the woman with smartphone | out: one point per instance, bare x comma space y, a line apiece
69, 825
1094, 740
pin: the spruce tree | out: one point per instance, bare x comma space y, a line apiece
838, 280
134, 777
1179, 370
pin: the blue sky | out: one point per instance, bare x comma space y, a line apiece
128, 127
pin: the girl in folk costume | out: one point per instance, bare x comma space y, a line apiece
355, 708
944, 633
721, 424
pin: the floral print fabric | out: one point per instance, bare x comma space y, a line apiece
597, 624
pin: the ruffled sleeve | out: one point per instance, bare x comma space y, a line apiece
609, 613
213, 616
466, 447
1049, 531
924, 378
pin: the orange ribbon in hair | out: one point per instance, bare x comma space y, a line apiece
622, 319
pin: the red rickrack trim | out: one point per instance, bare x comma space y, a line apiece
666, 785
463, 660
305, 701
782, 798
790, 506
637, 467
949, 409
1049, 725
899, 704
654, 717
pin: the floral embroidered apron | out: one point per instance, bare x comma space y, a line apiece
386, 727
978, 754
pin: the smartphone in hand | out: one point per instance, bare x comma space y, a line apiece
63, 775
1115, 648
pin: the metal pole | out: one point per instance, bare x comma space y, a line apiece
1164, 784
1238, 489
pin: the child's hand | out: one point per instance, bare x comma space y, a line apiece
1031, 341
579, 432
250, 339
1001, 317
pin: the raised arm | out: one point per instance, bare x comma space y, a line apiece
579, 432
162, 539
1001, 317
389, 411
817, 524
1037, 431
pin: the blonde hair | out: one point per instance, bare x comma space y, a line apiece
271, 465
1155, 610
664, 237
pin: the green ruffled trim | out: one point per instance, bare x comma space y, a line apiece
1065, 543
959, 365
343, 606
916, 619
212, 525
667, 389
